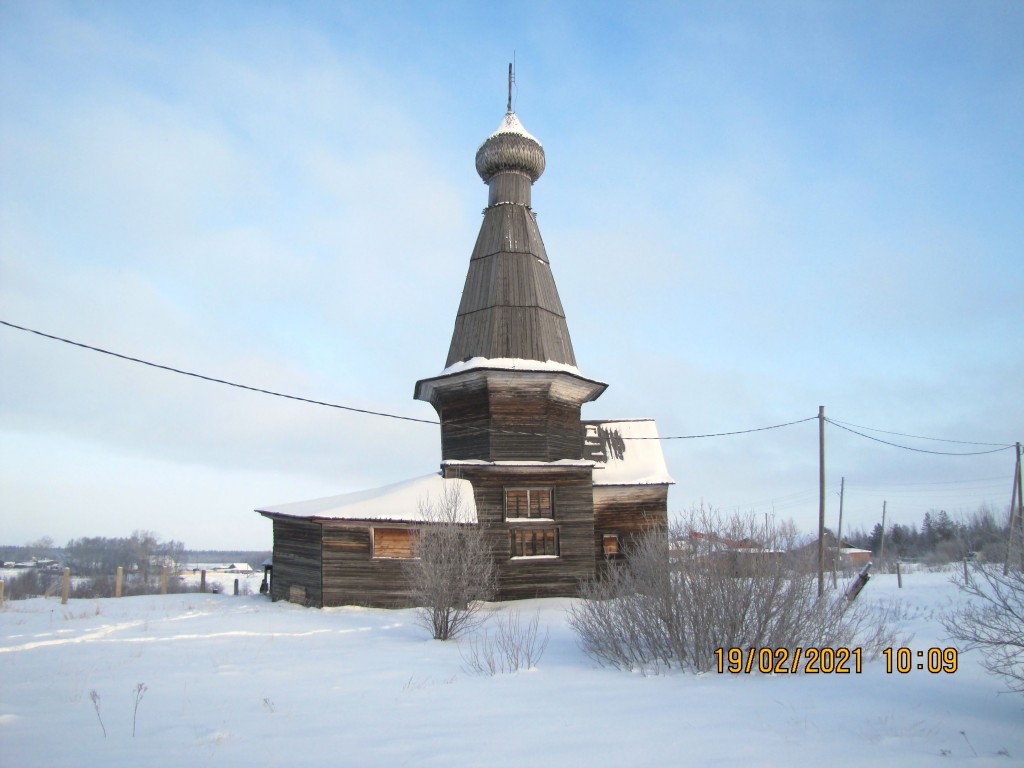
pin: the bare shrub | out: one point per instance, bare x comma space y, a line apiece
96, 705
993, 620
713, 582
140, 691
513, 646
32, 582
454, 571
36, 582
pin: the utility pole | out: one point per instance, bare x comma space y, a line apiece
881, 551
1020, 509
821, 500
839, 535
1016, 509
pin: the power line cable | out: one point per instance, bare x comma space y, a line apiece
725, 434
467, 427
312, 401
918, 437
936, 493
922, 450
216, 380
852, 482
786, 501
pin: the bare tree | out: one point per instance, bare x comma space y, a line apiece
993, 620
454, 571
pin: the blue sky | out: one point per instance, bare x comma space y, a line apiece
751, 210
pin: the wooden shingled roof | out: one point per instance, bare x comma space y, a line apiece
510, 306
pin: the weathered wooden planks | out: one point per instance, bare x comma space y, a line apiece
352, 576
520, 578
501, 414
390, 542
510, 309
297, 560
626, 511
510, 306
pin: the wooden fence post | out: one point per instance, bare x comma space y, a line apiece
236, 587
202, 580
163, 580
858, 584
65, 586
1, 593
118, 581
899, 575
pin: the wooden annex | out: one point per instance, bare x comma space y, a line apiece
559, 497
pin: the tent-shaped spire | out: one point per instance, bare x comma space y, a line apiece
510, 389
510, 306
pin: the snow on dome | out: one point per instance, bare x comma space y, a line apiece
399, 501
627, 452
510, 124
510, 363
510, 148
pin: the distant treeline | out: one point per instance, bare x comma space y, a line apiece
941, 538
255, 558
141, 553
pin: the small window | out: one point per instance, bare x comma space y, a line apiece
528, 503
395, 543
530, 541
611, 544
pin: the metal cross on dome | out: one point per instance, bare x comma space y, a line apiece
511, 79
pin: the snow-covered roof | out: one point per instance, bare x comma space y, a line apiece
588, 389
626, 452
518, 463
397, 502
510, 124
510, 363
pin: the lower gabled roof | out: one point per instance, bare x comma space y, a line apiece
402, 502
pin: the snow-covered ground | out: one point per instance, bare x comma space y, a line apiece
240, 681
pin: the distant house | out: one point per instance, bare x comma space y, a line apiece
557, 496
853, 557
840, 553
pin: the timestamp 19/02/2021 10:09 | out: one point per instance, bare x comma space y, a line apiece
842, 661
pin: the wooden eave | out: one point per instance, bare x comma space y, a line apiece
666, 483
320, 520
586, 390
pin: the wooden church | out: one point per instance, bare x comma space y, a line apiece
557, 496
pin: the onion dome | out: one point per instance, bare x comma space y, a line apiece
510, 148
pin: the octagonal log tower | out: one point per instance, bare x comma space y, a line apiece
511, 389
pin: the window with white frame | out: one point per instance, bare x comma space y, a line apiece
534, 541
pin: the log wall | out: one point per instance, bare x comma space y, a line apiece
297, 562
499, 415
523, 578
352, 576
331, 563
627, 511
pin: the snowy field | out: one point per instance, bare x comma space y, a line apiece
240, 681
